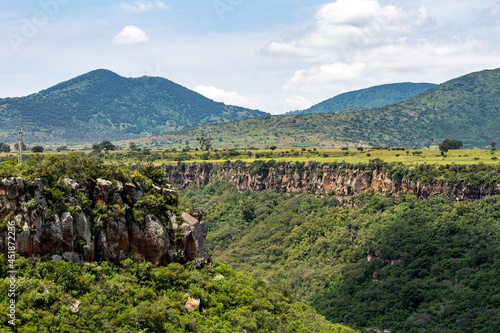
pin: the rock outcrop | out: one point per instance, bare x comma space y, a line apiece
340, 180
100, 221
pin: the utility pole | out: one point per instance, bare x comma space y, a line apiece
20, 147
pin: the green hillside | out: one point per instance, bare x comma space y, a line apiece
466, 108
369, 98
399, 264
102, 105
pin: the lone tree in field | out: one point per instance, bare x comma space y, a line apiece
4, 148
448, 144
205, 142
37, 149
16, 145
105, 145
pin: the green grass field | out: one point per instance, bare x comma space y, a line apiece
414, 156
408, 156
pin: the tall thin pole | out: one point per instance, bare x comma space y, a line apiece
20, 147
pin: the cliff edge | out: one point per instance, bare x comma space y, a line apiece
99, 220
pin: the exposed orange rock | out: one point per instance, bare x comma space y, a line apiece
192, 305
341, 181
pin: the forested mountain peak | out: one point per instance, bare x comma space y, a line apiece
102, 105
368, 98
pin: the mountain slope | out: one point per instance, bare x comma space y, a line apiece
102, 105
369, 98
466, 108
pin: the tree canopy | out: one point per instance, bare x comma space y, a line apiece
448, 144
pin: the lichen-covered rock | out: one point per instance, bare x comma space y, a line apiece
152, 241
67, 230
195, 239
106, 230
103, 188
131, 190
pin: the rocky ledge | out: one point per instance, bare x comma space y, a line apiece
101, 220
343, 181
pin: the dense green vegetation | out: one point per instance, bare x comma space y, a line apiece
135, 297
389, 263
76, 166
102, 105
464, 109
369, 98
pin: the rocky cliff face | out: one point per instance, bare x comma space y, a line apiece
342, 181
101, 221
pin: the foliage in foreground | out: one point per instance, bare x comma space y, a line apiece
139, 298
391, 263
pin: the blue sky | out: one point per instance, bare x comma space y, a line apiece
275, 55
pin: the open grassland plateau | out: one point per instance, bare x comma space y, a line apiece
350, 156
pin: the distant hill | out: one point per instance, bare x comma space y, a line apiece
466, 108
369, 98
102, 105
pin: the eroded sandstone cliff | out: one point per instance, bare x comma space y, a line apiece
101, 220
341, 180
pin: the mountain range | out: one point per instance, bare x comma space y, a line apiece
466, 108
101, 105
369, 98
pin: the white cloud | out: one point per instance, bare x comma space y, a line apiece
295, 102
346, 26
308, 80
490, 16
143, 6
131, 35
356, 44
220, 95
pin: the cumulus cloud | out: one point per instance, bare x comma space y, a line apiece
418, 61
345, 26
143, 6
295, 102
355, 44
220, 95
308, 80
131, 35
